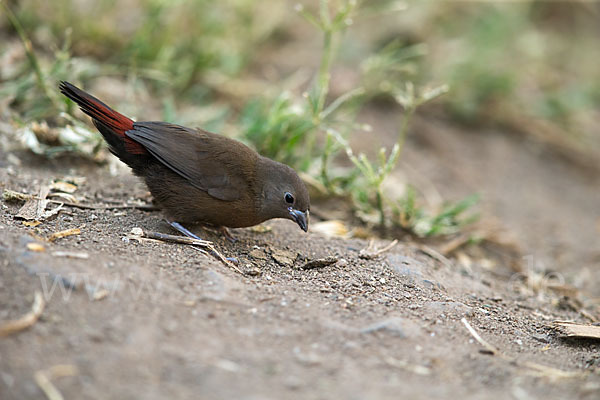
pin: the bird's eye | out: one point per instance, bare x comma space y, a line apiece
289, 198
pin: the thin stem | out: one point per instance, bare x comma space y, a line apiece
324, 72
402, 133
379, 200
324, 11
29, 51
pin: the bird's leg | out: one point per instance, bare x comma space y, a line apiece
225, 232
183, 230
186, 232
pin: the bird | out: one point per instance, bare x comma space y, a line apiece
199, 177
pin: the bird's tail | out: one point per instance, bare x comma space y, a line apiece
111, 124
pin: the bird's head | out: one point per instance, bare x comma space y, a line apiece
284, 195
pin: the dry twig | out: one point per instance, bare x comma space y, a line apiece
491, 349
44, 379
203, 244
11, 195
455, 243
435, 255
26, 320
533, 368
371, 252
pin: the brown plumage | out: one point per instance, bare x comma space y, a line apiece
198, 176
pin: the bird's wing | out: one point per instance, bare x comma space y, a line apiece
200, 157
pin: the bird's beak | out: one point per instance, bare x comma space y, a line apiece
300, 217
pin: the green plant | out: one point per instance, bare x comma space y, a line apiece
375, 173
192, 62
410, 216
286, 128
32, 97
29, 89
280, 127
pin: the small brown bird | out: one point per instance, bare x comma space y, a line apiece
198, 176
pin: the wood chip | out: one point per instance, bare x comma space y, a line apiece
35, 247
31, 224
574, 329
62, 186
26, 320
65, 233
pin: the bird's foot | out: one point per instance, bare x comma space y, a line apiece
186, 232
225, 232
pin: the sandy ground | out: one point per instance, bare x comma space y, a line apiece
142, 319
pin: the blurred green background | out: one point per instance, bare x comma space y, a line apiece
290, 79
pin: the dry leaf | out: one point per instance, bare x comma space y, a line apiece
34, 208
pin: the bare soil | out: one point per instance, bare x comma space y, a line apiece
174, 323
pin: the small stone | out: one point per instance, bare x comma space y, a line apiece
254, 271
258, 254
284, 257
405, 266
319, 263
541, 338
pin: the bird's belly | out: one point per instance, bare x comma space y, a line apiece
185, 203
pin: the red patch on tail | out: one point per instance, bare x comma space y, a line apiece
99, 111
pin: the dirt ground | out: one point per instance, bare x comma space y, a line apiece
143, 319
